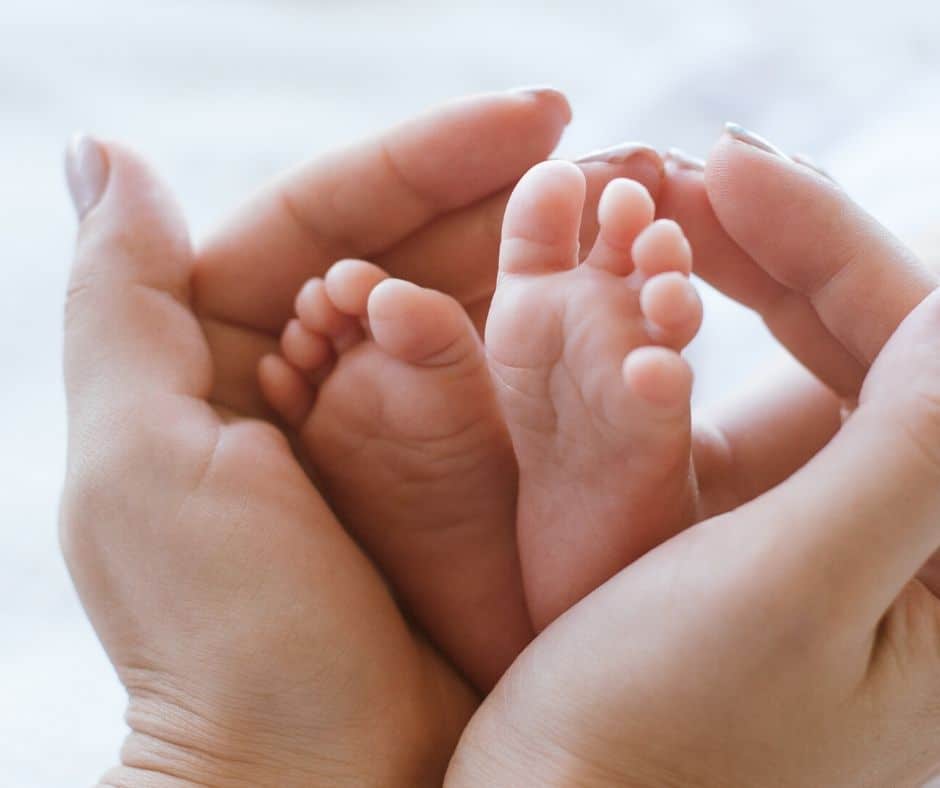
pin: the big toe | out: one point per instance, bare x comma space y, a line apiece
541, 227
421, 326
810, 236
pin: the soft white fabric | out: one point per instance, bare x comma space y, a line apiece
223, 93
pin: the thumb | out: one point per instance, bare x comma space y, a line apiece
861, 518
129, 330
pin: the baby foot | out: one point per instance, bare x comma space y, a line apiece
596, 397
405, 433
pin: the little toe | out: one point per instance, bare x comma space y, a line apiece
672, 307
543, 220
421, 326
661, 378
662, 247
304, 349
348, 284
286, 389
624, 211
319, 315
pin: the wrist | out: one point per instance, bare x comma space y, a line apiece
179, 747
184, 760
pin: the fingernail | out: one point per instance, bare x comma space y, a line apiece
618, 154
807, 161
547, 91
749, 137
86, 172
685, 161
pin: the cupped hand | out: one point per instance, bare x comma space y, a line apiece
785, 643
257, 643
794, 639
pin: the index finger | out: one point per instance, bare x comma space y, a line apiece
360, 201
812, 238
789, 315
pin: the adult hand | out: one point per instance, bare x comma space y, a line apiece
783, 240
257, 644
793, 640
781, 644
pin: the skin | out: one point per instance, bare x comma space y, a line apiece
599, 415
792, 641
169, 432
235, 524
186, 519
408, 442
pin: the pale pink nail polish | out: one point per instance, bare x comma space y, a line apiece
547, 92
618, 154
86, 173
685, 161
747, 136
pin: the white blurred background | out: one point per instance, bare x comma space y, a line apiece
222, 94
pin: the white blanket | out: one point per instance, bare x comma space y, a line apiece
222, 94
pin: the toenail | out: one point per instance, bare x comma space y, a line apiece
619, 154
744, 135
685, 161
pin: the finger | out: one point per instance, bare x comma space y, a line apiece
789, 315
756, 440
809, 236
359, 202
858, 522
129, 329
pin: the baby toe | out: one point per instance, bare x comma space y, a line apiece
348, 284
285, 389
304, 349
672, 308
319, 315
624, 211
660, 377
543, 220
419, 325
662, 247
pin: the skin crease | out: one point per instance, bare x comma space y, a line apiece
225, 520
161, 349
793, 641
837, 683
225, 592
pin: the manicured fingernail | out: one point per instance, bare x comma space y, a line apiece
685, 161
86, 172
618, 154
807, 161
744, 135
547, 91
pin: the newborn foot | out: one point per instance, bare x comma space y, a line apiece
405, 433
594, 392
